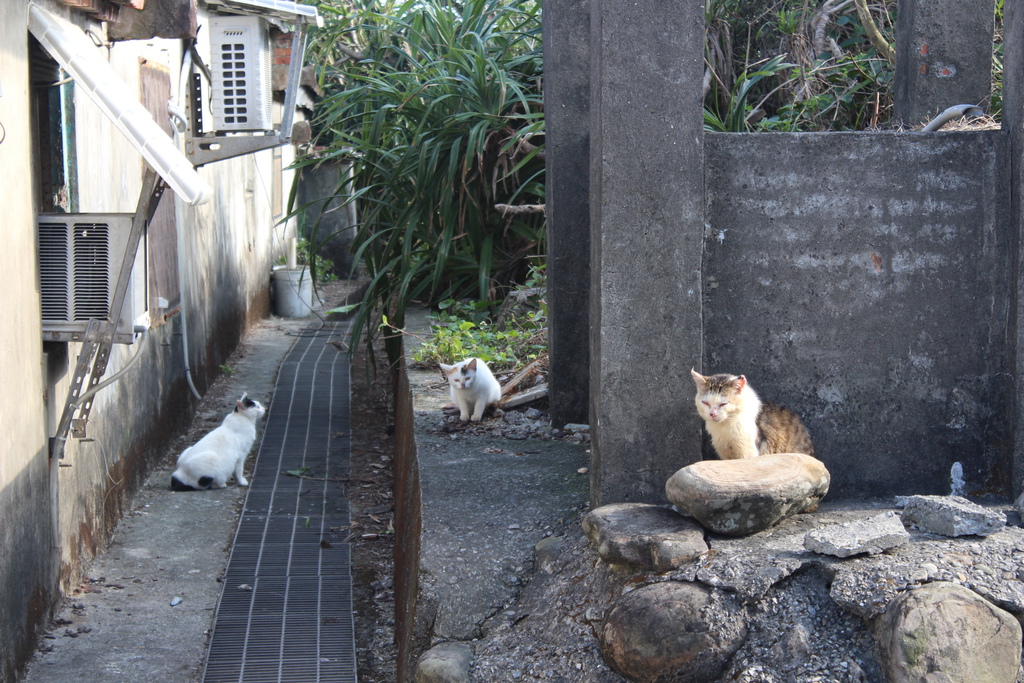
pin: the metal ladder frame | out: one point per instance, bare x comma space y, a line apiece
99, 335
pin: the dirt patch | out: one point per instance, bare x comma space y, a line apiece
371, 534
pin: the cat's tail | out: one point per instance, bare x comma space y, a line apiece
179, 485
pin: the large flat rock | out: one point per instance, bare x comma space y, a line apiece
740, 497
645, 536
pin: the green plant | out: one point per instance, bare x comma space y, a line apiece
459, 332
307, 254
227, 369
439, 108
825, 69
738, 111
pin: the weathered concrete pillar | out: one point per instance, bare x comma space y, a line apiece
1013, 127
567, 152
943, 56
647, 222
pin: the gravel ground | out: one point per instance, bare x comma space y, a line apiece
807, 614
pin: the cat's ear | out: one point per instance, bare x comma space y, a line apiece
447, 369
739, 383
698, 379
471, 365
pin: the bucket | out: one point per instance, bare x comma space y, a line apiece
293, 293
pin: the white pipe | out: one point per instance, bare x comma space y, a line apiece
83, 397
186, 70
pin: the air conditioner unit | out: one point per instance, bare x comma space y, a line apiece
240, 55
80, 257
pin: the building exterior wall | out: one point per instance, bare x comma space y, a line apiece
57, 515
27, 567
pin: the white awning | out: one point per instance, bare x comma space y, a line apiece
69, 45
289, 12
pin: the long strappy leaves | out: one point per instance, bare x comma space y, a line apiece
441, 117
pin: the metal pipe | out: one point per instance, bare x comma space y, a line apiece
954, 112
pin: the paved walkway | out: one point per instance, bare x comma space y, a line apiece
145, 612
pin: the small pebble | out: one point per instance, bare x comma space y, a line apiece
175, 601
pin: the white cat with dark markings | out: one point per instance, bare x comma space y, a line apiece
473, 387
212, 461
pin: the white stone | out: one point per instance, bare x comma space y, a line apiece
872, 536
951, 516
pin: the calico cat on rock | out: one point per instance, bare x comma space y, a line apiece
743, 426
214, 458
472, 387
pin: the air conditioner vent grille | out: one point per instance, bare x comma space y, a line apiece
80, 258
53, 271
91, 264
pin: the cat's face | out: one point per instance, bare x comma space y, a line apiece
717, 396
253, 410
461, 375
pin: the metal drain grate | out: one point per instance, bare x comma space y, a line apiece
285, 613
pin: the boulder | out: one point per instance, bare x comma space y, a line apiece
872, 536
945, 632
951, 516
739, 497
445, 663
672, 632
649, 537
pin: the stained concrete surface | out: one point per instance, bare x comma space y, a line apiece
119, 625
487, 500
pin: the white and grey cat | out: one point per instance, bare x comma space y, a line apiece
741, 425
214, 458
473, 387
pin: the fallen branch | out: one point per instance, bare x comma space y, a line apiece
523, 374
350, 53
532, 394
515, 209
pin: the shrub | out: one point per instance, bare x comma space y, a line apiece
438, 106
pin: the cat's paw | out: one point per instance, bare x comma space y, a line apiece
243, 482
464, 417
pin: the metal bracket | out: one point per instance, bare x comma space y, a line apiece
99, 335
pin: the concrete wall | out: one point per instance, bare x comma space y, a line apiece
567, 148
868, 280
328, 223
863, 280
646, 217
28, 574
1013, 126
943, 57
408, 529
57, 515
